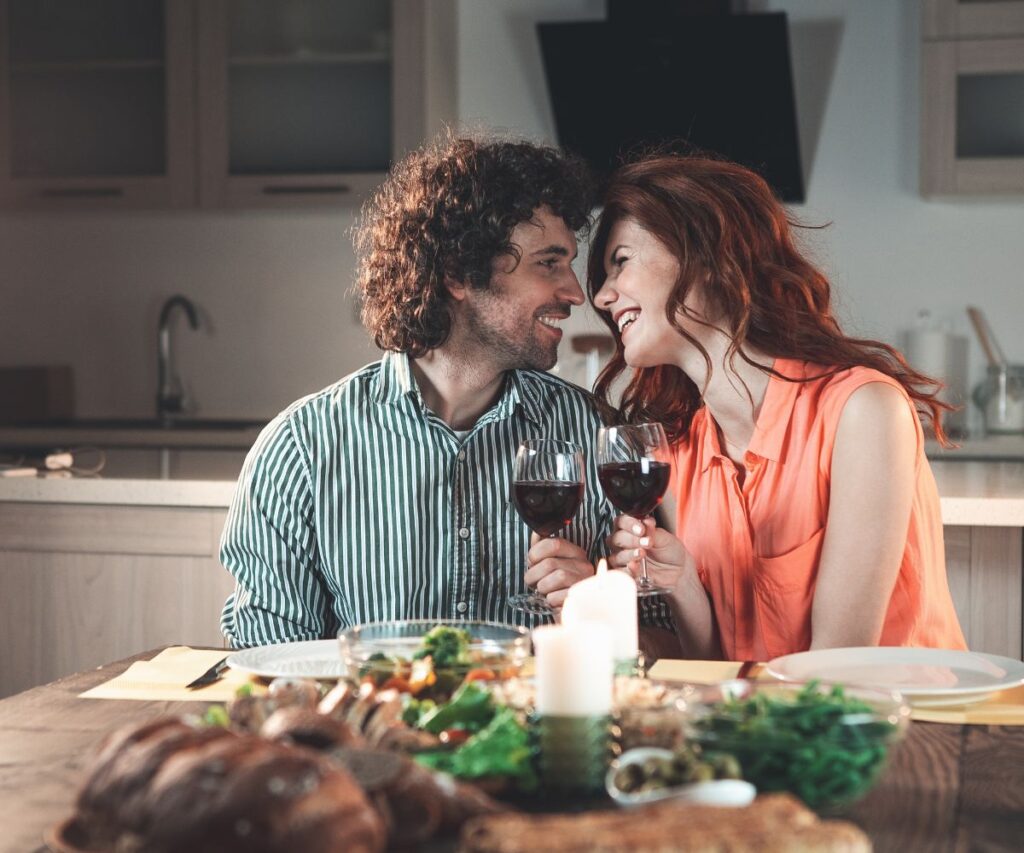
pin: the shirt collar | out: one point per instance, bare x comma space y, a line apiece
702, 429
768, 440
777, 409
524, 390
396, 382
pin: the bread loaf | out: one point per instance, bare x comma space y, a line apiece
167, 787
775, 823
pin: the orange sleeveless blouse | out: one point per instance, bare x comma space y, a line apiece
757, 545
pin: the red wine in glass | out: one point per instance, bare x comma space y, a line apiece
547, 489
634, 488
546, 506
633, 467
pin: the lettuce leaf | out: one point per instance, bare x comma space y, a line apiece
502, 748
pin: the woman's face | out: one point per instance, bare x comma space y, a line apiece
641, 275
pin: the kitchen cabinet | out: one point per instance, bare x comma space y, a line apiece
984, 567
972, 97
81, 584
97, 103
216, 103
305, 101
955, 19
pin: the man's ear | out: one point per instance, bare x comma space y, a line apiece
456, 289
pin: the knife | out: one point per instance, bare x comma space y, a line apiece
747, 668
211, 676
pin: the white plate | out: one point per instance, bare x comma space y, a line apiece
926, 677
306, 659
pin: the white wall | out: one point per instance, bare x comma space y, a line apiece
86, 289
271, 288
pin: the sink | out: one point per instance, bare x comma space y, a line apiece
220, 424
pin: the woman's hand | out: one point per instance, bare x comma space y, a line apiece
669, 565
668, 562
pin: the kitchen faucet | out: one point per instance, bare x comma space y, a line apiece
170, 393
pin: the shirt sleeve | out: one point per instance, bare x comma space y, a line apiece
269, 546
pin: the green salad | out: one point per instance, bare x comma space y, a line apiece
823, 746
489, 739
444, 660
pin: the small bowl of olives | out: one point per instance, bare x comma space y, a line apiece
649, 774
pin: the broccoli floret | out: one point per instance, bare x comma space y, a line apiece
447, 646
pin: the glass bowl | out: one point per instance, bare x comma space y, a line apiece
397, 654
650, 713
645, 711
825, 743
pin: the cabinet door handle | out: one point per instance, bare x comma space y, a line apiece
298, 189
82, 192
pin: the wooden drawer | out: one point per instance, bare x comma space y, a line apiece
77, 528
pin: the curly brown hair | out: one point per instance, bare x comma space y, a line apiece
724, 226
449, 209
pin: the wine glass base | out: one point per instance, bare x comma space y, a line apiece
650, 591
535, 605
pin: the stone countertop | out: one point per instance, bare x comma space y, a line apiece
981, 494
95, 491
143, 433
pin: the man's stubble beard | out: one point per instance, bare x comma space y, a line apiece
487, 340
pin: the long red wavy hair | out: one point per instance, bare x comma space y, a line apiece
724, 226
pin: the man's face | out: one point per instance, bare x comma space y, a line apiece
516, 320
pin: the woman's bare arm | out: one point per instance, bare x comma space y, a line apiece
872, 488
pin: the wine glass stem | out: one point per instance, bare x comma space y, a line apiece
644, 579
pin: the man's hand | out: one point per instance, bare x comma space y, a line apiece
554, 565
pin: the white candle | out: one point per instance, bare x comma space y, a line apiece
608, 598
573, 670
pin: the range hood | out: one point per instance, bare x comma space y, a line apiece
719, 83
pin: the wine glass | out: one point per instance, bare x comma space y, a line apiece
633, 467
547, 488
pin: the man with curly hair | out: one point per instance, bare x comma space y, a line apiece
386, 495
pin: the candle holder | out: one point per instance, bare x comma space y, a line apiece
573, 753
633, 667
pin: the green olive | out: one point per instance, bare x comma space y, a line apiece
725, 765
651, 767
702, 773
629, 778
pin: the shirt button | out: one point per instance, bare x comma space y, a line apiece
462, 607
462, 455
463, 533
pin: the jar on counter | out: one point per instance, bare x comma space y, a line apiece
1001, 398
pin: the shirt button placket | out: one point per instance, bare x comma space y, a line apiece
464, 557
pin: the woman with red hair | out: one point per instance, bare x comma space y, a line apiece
806, 515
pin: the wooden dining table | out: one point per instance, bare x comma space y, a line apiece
947, 787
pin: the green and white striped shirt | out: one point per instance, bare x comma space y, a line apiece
358, 504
